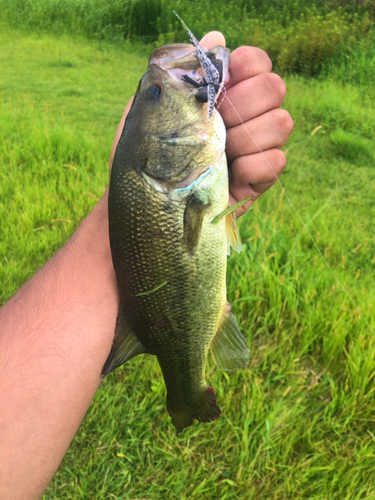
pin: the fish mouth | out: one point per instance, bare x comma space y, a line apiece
183, 66
193, 135
185, 73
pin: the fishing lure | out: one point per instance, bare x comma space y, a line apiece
212, 73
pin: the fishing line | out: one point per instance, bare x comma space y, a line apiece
299, 217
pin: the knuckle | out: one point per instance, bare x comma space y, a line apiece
241, 52
279, 160
230, 142
284, 121
264, 60
241, 167
256, 60
277, 85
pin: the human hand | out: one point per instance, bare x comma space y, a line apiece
256, 94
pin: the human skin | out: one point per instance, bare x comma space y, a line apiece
57, 330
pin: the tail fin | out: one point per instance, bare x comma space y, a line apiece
204, 409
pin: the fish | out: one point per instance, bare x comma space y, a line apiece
170, 230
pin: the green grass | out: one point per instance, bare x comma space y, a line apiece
61, 103
301, 36
298, 423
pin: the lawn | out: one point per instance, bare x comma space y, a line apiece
299, 421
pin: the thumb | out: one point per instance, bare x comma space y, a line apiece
212, 39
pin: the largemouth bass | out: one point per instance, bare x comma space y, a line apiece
169, 233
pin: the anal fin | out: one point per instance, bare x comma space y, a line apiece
229, 348
125, 346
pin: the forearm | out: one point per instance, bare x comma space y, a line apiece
55, 335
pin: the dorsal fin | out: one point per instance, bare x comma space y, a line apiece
233, 236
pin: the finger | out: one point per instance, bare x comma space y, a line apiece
267, 131
246, 62
259, 170
212, 39
252, 175
252, 98
119, 131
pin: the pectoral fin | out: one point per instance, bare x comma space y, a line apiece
125, 346
229, 348
193, 218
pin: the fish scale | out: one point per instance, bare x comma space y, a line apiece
151, 260
168, 184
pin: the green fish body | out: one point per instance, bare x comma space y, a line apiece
168, 183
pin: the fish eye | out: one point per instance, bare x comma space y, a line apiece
152, 93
